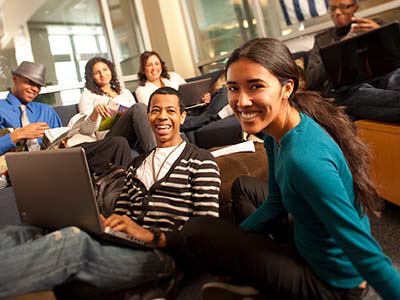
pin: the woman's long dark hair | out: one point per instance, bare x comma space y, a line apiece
143, 60
91, 85
276, 58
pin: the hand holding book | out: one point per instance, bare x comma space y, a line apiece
57, 137
115, 110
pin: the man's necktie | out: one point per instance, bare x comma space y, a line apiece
32, 144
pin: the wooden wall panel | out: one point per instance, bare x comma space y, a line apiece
384, 142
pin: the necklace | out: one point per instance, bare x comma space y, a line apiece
109, 93
155, 177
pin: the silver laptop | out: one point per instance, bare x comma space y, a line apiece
192, 92
53, 189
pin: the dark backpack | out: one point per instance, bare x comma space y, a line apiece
108, 186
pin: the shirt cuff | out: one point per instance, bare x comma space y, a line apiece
6, 143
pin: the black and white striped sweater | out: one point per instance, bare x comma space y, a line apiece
190, 188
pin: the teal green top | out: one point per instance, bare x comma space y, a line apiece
309, 177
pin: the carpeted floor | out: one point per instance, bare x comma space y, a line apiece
385, 229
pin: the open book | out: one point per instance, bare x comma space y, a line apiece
54, 136
247, 146
116, 110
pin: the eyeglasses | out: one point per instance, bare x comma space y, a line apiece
342, 7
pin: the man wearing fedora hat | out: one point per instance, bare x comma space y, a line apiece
23, 121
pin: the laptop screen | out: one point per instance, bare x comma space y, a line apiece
363, 57
193, 91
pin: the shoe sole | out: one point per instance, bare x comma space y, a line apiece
222, 291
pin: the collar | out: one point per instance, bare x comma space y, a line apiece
342, 31
15, 102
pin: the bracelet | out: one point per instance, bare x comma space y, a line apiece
156, 237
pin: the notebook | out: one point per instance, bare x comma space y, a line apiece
363, 57
53, 189
192, 92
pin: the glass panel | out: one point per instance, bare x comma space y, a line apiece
129, 40
64, 36
221, 26
60, 44
65, 72
102, 43
85, 44
70, 96
62, 98
131, 85
82, 64
282, 18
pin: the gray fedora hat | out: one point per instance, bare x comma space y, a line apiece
33, 71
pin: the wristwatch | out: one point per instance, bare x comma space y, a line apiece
156, 236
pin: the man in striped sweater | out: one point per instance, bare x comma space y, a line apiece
175, 182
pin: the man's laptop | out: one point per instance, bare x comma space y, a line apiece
53, 189
192, 92
363, 57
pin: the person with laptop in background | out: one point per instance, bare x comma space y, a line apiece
174, 183
23, 121
378, 100
153, 74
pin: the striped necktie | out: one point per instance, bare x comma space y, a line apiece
32, 144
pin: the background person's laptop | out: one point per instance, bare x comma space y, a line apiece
53, 189
363, 57
192, 92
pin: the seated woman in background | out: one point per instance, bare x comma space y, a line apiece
318, 172
102, 85
153, 74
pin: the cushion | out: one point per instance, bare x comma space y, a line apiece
238, 164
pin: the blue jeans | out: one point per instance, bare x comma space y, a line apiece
32, 260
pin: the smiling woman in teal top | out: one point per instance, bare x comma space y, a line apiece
318, 172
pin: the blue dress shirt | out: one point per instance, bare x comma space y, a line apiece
10, 117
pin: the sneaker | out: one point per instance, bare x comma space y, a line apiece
226, 291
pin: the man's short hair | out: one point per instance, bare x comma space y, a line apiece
166, 90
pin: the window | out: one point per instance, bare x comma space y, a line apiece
64, 36
220, 26
128, 36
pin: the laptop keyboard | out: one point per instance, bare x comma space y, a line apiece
124, 236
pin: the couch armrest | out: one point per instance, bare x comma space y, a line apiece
238, 164
384, 142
